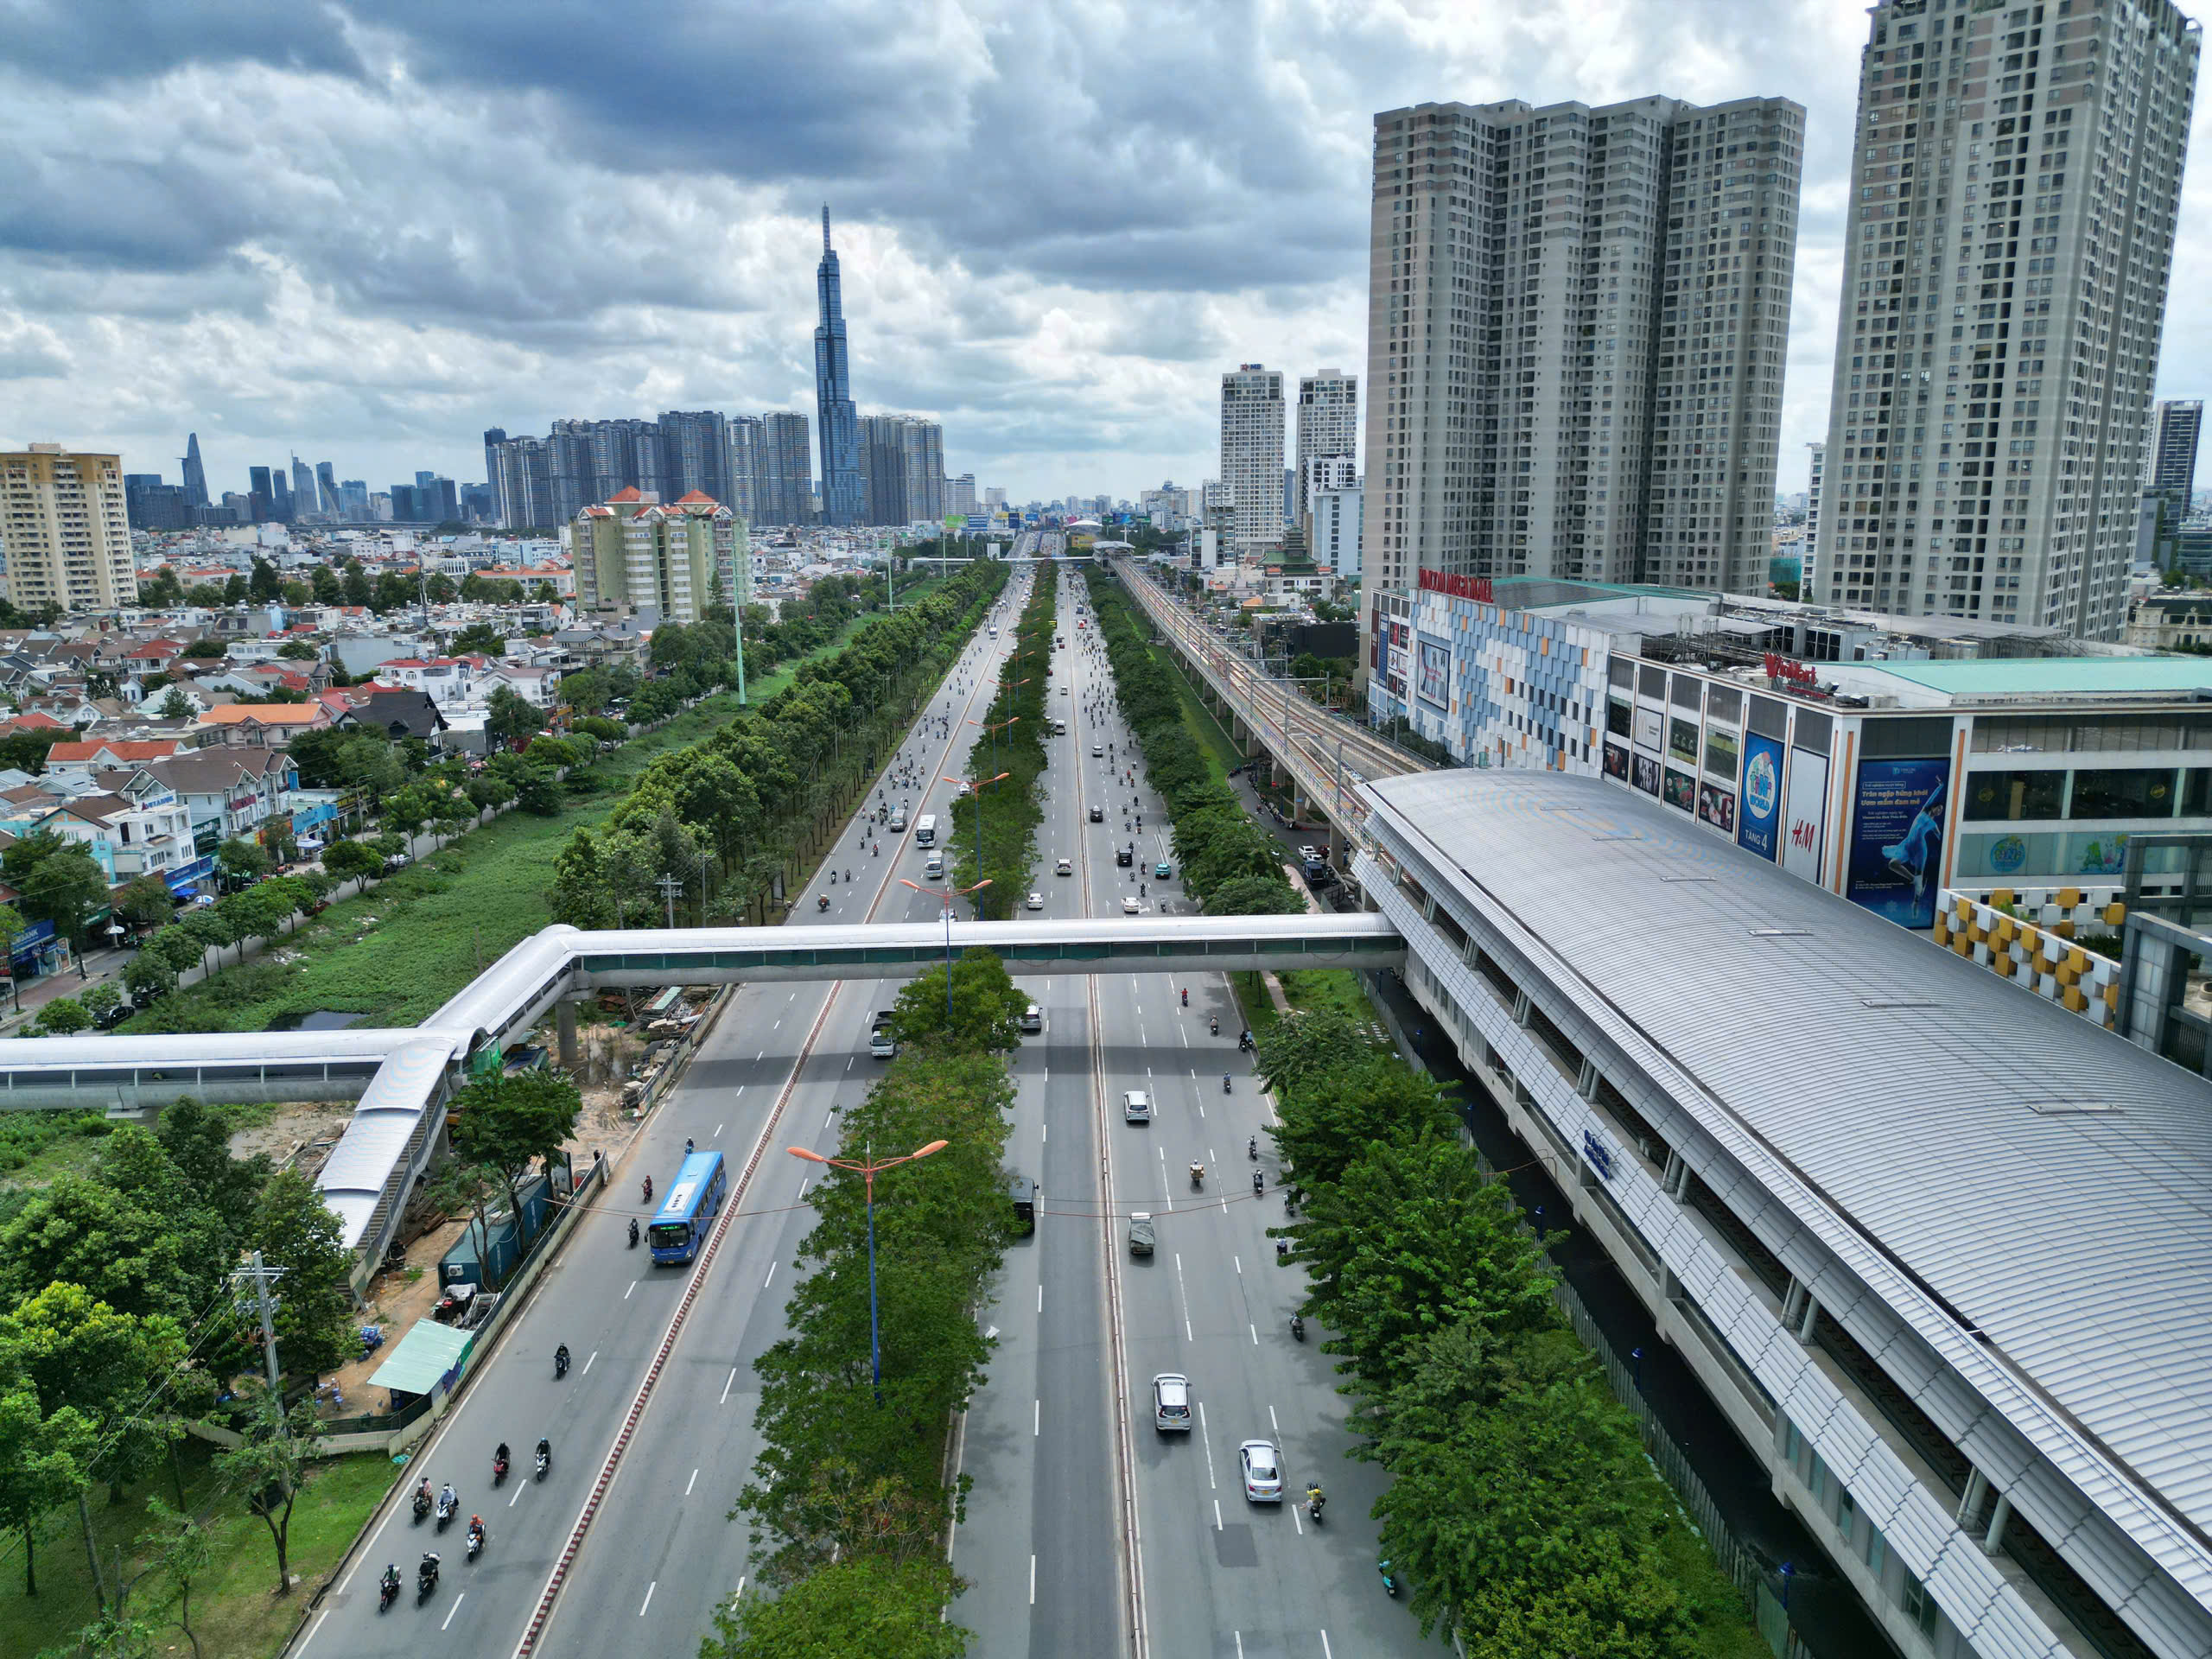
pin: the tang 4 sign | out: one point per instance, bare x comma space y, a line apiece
1759, 826
1896, 838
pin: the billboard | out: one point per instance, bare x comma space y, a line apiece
1434, 685
1717, 806
1648, 729
1896, 838
1646, 775
1759, 828
1616, 762
1808, 809
1681, 791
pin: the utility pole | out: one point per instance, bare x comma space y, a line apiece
670, 887
261, 1275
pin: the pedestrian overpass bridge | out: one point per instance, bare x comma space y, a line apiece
402, 1077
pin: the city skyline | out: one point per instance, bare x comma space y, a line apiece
1114, 256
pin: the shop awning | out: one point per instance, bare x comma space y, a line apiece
426, 1353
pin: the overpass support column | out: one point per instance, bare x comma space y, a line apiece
564, 1023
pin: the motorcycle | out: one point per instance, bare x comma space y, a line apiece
1252, 1148
1313, 1503
649, 1189
446, 1508
422, 1506
475, 1542
544, 1462
1298, 1326
387, 1589
1198, 1178
1259, 1182
426, 1580
633, 1232
1225, 1083
560, 1363
1390, 1578
1244, 1044
1214, 1025
499, 1469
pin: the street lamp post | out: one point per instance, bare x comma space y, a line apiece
868, 1169
945, 896
977, 787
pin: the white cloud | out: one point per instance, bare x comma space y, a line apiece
369, 236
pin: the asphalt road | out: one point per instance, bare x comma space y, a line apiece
660, 1554
1065, 1415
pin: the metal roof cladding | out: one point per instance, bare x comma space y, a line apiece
2013, 676
2048, 1184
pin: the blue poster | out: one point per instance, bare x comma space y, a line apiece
1759, 824
1896, 838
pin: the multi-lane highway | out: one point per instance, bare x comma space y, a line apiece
1087, 1531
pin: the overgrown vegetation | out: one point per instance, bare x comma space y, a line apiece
1229, 863
848, 1502
1521, 1507
1009, 807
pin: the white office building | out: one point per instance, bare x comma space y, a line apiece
1334, 513
2017, 175
1328, 428
1809, 545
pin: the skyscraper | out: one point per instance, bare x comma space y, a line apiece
2171, 474
2003, 308
788, 478
833, 395
326, 478
280, 495
67, 535
195, 475
695, 454
493, 437
1251, 453
1577, 323
1808, 548
1328, 424
303, 490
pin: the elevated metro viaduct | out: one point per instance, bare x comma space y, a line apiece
402, 1078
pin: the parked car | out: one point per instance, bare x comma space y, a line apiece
115, 1016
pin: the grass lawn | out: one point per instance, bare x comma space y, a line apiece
233, 1612
394, 953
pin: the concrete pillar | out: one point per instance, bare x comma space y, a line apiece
1970, 1500
1994, 1540
1812, 1319
564, 1022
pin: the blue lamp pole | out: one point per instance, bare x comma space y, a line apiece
945, 897
868, 1170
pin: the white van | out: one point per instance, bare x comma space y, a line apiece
934, 870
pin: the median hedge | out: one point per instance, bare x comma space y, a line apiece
1012, 741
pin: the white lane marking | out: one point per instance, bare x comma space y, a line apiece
728, 1386
1240, 1644
587, 1369
1205, 1439
1325, 1653
740, 1090
758, 1058
1295, 1521
739, 1591
1255, 1330
1239, 1261
1041, 1299
1032, 1581
648, 1601
828, 1117
1274, 1427
1044, 1133
456, 1608
634, 1283
1036, 1419
1216, 1527
718, 1131
772, 1274
689, 1483
520, 1488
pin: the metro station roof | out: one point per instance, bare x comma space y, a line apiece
2042, 1182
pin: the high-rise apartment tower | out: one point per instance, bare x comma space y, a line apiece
1576, 328
1251, 453
1328, 425
2170, 469
2016, 176
1808, 577
835, 413
65, 530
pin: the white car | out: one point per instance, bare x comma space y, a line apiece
1136, 1106
1130, 907
1263, 1466
1098, 751
1036, 901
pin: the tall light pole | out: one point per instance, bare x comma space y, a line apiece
868, 1170
945, 896
977, 786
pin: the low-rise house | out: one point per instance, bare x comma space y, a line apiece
398, 715
262, 725
75, 761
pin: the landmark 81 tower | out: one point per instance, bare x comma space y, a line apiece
833, 395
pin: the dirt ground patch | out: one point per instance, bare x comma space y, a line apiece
303, 1129
394, 1302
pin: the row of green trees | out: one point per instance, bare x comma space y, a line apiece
1230, 863
1521, 1506
723, 819
1013, 741
848, 1504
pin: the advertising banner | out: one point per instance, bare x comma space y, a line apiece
1717, 806
1646, 777
1434, 687
1808, 809
1648, 729
1681, 791
1896, 838
1759, 829
1616, 762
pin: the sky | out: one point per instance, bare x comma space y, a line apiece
365, 234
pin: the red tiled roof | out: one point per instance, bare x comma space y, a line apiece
699, 496
630, 494
149, 749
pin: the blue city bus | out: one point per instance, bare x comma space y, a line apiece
687, 1212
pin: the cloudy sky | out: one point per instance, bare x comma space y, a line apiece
365, 233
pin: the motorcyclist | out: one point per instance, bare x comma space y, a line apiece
446, 1498
561, 1358
1259, 1180
1186, 998
1252, 1148
545, 1448
1213, 1024
1198, 1173
1225, 1083
1314, 1500
633, 1230
389, 1582
649, 1189
688, 1147
428, 1572
476, 1530
500, 1458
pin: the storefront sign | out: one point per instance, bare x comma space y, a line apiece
1758, 828
1791, 672
1896, 838
1807, 809
1474, 587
